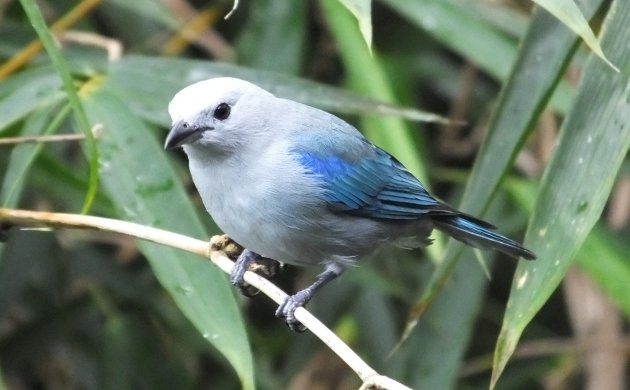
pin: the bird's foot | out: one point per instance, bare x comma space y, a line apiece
237, 276
245, 260
251, 261
287, 309
242, 257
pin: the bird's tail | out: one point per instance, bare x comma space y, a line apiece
479, 234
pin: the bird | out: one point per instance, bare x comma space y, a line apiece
298, 185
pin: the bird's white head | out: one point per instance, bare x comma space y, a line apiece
215, 112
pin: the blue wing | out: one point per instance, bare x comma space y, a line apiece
363, 180
369, 182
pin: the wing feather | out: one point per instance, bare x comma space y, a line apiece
369, 183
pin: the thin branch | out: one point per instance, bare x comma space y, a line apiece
113, 47
371, 379
96, 131
41, 139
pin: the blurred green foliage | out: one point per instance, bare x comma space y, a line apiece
544, 116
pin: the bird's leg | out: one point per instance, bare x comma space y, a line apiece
242, 264
263, 266
287, 309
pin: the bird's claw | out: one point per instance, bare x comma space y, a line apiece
251, 261
237, 276
288, 307
242, 257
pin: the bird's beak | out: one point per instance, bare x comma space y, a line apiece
183, 133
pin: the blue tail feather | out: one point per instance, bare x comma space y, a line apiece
469, 231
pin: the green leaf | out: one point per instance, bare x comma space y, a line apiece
144, 188
602, 257
522, 99
37, 20
593, 141
569, 13
362, 11
148, 93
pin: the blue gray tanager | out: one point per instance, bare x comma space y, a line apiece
296, 184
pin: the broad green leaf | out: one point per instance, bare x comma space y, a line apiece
144, 188
569, 13
602, 257
148, 93
593, 141
522, 99
362, 11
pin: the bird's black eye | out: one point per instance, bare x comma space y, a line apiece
222, 111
